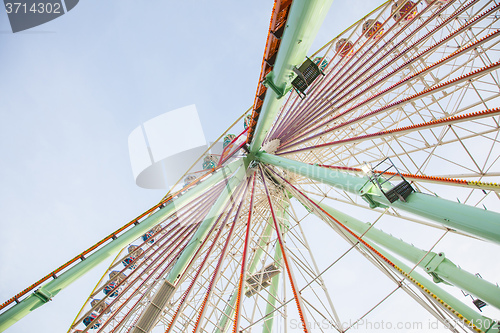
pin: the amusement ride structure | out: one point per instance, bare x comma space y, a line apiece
390, 122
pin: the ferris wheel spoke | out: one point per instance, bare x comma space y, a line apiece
373, 74
446, 180
426, 92
322, 283
422, 178
214, 277
202, 272
243, 272
408, 149
407, 129
419, 95
386, 55
384, 109
297, 296
198, 271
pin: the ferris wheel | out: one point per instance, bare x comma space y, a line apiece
335, 198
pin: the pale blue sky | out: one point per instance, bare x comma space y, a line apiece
72, 90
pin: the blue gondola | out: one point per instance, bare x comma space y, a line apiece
90, 318
148, 235
111, 289
128, 261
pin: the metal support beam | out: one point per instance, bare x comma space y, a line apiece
52, 288
272, 297
304, 20
273, 288
436, 265
299, 301
263, 241
476, 221
229, 309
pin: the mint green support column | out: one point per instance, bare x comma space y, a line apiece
228, 311
264, 239
476, 221
271, 299
440, 268
273, 288
52, 288
304, 20
459, 306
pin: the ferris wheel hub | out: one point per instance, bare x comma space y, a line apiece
270, 147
